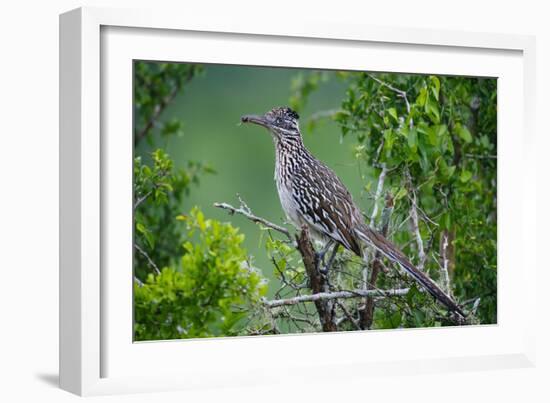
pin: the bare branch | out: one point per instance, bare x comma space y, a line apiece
444, 270
366, 315
363, 315
377, 195
160, 107
149, 260
245, 211
418, 237
400, 93
479, 156
323, 296
415, 225
476, 305
142, 199
324, 114
163, 173
348, 315
156, 113
379, 188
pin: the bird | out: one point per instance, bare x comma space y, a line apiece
312, 195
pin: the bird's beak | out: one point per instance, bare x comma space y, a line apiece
256, 119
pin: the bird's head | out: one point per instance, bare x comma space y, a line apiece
282, 122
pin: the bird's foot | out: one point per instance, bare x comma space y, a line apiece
323, 270
320, 258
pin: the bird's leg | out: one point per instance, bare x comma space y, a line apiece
331, 260
327, 266
322, 253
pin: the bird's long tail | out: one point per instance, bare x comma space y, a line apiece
389, 250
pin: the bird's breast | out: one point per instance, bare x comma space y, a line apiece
284, 188
284, 175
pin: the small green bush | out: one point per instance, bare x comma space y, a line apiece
207, 294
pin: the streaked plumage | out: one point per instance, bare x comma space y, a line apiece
312, 194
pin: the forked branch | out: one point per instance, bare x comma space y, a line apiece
244, 210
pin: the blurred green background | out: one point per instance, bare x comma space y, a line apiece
243, 156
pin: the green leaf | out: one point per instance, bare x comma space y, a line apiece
451, 171
412, 139
389, 138
432, 109
149, 237
359, 151
464, 133
393, 113
445, 221
413, 295
419, 318
141, 228
395, 319
441, 131
432, 135
465, 176
402, 193
435, 86
422, 96
446, 170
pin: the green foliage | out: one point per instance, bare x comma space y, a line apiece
442, 132
436, 139
208, 294
192, 275
159, 189
155, 86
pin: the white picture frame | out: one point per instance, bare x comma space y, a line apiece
97, 355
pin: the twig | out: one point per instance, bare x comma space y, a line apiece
444, 270
160, 107
142, 199
323, 296
156, 113
479, 156
146, 256
284, 313
379, 188
162, 174
416, 228
348, 315
324, 114
245, 211
366, 315
401, 93
398, 227
419, 242
378, 193
425, 216
476, 305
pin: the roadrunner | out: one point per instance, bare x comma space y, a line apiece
312, 195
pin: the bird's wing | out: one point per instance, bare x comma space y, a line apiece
327, 205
